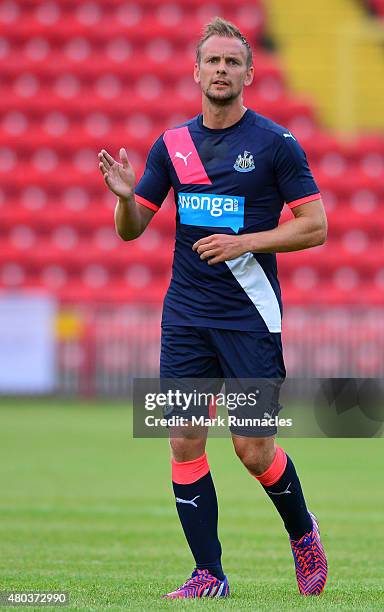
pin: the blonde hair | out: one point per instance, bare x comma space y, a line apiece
226, 29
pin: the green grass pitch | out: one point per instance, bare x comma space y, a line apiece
87, 509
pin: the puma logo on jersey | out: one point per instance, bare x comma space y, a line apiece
187, 501
289, 135
183, 157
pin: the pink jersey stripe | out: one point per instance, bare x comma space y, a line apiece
185, 158
311, 198
146, 203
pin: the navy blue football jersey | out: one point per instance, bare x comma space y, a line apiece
233, 180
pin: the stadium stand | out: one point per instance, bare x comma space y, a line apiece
78, 77
71, 89
332, 51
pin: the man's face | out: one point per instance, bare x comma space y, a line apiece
223, 71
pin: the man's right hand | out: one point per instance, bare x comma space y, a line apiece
119, 177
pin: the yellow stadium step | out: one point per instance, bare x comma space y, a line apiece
334, 52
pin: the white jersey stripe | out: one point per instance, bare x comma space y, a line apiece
252, 278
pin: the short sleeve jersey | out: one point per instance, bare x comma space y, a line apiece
234, 181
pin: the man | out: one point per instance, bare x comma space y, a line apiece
231, 170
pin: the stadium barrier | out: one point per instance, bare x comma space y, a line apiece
101, 349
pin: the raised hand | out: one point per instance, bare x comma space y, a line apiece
119, 177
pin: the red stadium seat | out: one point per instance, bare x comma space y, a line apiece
137, 31
378, 7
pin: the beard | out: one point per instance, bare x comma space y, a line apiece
222, 98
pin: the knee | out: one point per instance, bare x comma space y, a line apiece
256, 456
184, 449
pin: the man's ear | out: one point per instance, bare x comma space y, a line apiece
196, 73
249, 77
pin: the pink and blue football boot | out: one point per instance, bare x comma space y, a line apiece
201, 584
310, 561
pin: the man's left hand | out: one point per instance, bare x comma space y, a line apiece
221, 247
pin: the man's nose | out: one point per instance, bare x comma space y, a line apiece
222, 67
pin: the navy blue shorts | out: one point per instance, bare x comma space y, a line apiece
227, 355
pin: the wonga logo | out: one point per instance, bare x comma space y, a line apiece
211, 210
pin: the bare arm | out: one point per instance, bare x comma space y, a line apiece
131, 218
306, 230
